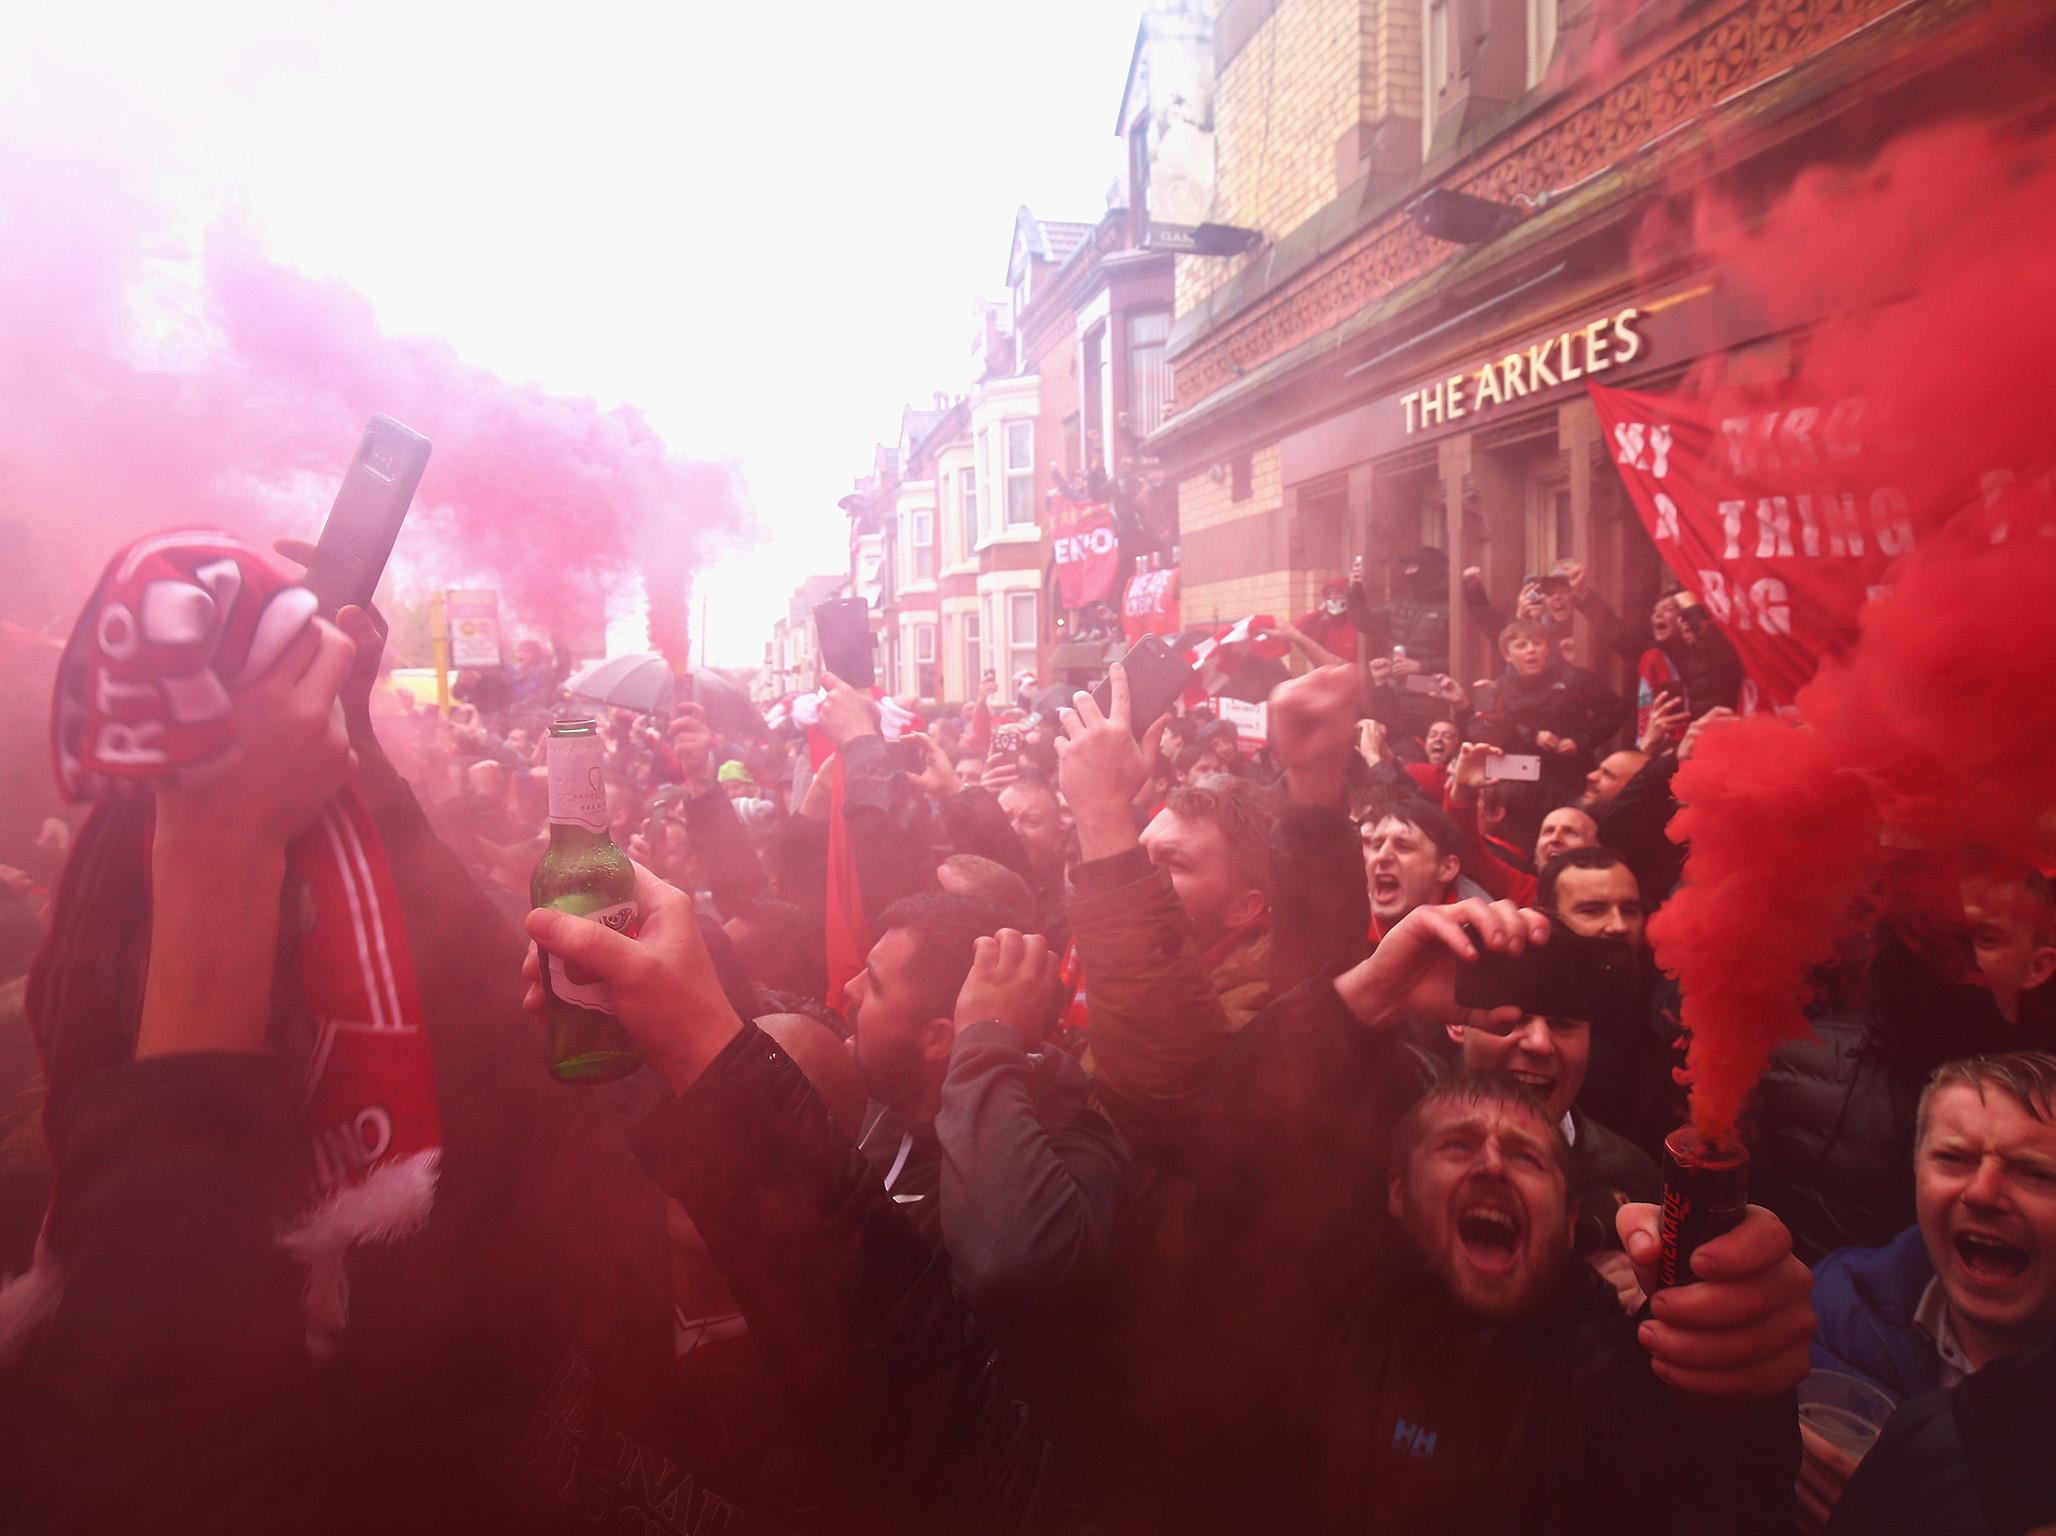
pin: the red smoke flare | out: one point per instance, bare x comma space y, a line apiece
137, 391
1934, 730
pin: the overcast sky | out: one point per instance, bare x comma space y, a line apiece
762, 223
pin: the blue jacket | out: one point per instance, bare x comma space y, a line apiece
1865, 1299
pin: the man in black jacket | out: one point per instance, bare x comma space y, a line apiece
1472, 1379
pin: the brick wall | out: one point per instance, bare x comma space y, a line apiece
1391, 59
1279, 106
1305, 78
1232, 568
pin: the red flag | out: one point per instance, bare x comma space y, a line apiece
1087, 553
1781, 519
1150, 606
849, 930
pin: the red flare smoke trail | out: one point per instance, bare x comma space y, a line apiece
1935, 729
242, 413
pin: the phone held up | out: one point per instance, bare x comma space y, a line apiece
1570, 977
843, 625
1518, 767
1158, 678
370, 506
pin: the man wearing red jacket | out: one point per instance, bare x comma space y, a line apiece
1328, 626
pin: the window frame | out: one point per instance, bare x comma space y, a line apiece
1017, 475
1016, 643
967, 512
920, 549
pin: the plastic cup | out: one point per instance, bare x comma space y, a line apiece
1846, 1411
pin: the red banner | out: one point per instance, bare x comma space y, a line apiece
1088, 554
1776, 518
1150, 606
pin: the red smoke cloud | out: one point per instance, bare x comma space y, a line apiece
137, 391
1934, 730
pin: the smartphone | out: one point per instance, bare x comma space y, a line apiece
1420, 682
1006, 741
1521, 767
906, 754
1158, 678
372, 503
1485, 698
1570, 977
844, 627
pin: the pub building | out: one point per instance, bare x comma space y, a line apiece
1409, 364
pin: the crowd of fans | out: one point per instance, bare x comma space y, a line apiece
1054, 1121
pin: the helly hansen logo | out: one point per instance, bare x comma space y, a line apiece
1416, 1440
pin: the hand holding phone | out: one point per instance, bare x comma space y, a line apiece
1519, 767
1570, 977
1158, 678
843, 625
365, 520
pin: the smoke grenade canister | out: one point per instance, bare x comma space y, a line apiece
1705, 1193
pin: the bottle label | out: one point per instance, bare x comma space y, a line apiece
571, 984
578, 795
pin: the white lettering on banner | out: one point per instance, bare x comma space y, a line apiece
1073, 547
1891, 526
1763, 605
1798, 437
1632, 438
1146, 592
1773, 528
1889, 514
1778, 517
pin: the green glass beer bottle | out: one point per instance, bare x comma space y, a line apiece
586, 875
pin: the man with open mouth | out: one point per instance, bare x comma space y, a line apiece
1974, 1280
1548, 1057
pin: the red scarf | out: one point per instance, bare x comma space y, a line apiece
176, 622
849, 929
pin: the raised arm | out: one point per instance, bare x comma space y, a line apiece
1033, 1178
853, 1312
1320, 903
